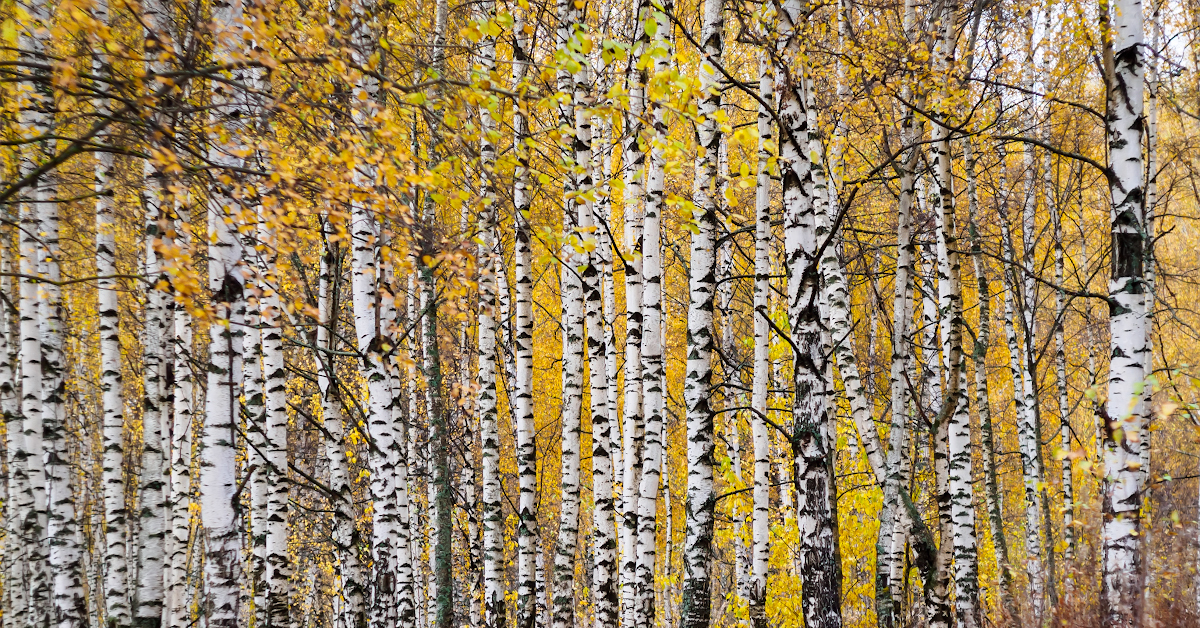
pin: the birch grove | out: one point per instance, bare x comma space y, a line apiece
608, 314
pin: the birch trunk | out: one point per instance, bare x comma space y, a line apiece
10, 409
254, 407
955, 412
526, 451
218, 460
1123, 551
894, 526
350, 590
486, 376
175, 580
116, 571
61, 579
1060, 376
761, 534
30, 598
576, 147
442, 594
1033, 543
222, 537
812, 444
979, 355
633, 161
148, 607
604, 538
277, 578
652, 367
697, 387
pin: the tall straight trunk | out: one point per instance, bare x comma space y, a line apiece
1123, 551
116, 571
54, 504
599, 303
812, 437
222, 537
526, 446
441, 503
349, 588
604, 534
62, 581
1060, 376
891, 546
10, 413
761, 524
30, 598
227, 279
1028, 441
633, 161
954, 424
979, 354
406, 545
603, 146
179, 496
277, 578
697, 387
576, 145
254, 407
490, 269
652, 366
365, 283
365, 298
148, 599
1150, 290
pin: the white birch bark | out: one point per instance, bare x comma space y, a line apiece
1122, 544
652, 347
60, 579
277, 576
365, 297
955, 414
701, 497
576, 145
633, 162
526, 452
979, 355
218, 460
116, 529
255, 410
350, 590
1027, 441
1060, 375
894, 524
10, 411
30, 596
175, 583
227, 278
148, 597
761, 522
812, 441
485, 375
604, 537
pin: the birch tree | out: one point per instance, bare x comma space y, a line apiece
811, 444
1125, 421
489, 431
761, 535
652, 368
701, 496
116, 573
